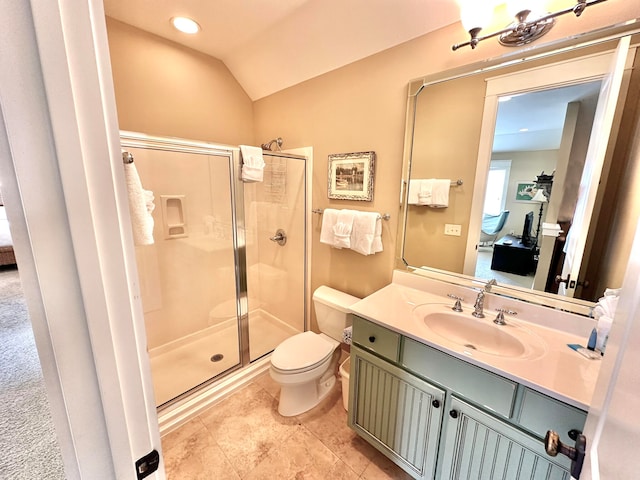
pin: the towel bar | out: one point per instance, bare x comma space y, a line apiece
384, 216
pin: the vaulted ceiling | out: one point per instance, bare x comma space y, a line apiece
269, 45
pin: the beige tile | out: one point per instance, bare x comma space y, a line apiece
182, 433
301, 456
265, 381
328, 422
246, 426
196, 456
381, 468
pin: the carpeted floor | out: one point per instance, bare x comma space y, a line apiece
28, 445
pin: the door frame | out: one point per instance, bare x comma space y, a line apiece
62, 172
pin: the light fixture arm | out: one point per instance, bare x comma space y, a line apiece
521, 29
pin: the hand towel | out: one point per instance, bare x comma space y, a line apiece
342, 229
329, 218
440, 192
414, 190
426, 192
363, 232
140, 206
252, 164
377, 237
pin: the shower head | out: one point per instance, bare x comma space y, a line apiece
277, 141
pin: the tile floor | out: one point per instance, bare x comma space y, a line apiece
244, 437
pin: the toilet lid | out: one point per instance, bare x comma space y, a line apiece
301, 351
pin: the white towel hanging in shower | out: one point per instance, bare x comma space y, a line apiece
252, 164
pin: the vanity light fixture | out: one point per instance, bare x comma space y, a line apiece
185, 25
475, 15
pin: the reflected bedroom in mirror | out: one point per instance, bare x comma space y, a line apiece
547, 201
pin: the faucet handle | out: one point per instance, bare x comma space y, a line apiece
458, 306
499, 320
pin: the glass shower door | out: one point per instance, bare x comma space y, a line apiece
188, 275
276, 269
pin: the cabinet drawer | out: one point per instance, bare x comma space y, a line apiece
483, 388
540, 413
375, 338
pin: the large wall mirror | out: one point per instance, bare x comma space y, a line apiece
541, 164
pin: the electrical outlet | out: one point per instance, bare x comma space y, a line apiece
452, 229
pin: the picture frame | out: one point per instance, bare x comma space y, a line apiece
351, 176
525, 191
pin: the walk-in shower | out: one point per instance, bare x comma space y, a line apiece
218, 291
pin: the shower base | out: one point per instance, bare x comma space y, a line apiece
187, 363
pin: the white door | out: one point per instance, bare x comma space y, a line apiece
542, 78
612, 430
61, 169
590, 181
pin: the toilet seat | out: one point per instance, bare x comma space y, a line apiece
301, 353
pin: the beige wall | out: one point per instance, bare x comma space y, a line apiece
525, 166
166, 89
362, 107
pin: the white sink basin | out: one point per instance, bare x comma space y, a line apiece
481, 335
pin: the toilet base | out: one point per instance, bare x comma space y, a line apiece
297, 398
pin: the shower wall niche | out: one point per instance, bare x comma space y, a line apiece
217, 293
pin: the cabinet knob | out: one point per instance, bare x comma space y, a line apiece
372, 338
436, 403
453, 414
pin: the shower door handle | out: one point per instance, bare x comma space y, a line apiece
280, 237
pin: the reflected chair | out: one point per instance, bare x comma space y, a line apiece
491, 226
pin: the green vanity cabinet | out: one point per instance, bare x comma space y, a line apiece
439, 417
396, 412
479, 446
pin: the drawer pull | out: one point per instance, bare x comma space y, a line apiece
372, 338
453, 414
436, 403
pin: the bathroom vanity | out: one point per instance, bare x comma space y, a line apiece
445, 395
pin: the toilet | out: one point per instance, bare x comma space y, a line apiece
305, 365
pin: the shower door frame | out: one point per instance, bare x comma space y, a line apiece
178, 145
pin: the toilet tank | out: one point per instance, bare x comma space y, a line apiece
332, 310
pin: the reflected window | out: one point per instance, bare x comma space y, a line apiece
497, 183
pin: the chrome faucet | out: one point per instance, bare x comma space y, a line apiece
478, 307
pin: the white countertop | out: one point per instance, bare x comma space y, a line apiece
556, 370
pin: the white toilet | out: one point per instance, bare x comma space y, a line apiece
304, 365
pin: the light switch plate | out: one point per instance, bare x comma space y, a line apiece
452, 229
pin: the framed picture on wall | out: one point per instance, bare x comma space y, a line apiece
351, 176
525, 191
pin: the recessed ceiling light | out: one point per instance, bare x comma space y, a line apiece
185, 25
523, 130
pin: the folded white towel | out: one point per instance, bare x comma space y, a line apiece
329, 219
414, 190
426, 192
252, 163
342, 229
440, 192
364, 232
377, 238
140, 206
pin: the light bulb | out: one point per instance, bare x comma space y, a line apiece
185, 25
475, 14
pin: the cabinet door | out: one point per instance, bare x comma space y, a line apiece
396, 412
479, 446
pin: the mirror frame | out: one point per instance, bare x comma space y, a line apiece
522, 56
